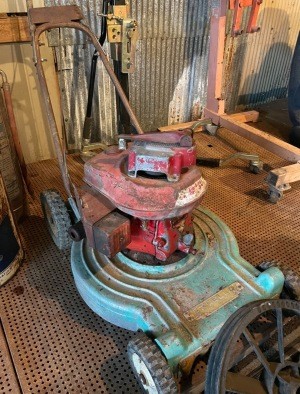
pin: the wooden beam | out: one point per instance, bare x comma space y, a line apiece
284, 175
14, 29
261, 138
244, 117
215, 101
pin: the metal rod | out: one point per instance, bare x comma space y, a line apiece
88, 121
94, 60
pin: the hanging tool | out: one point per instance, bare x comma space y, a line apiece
238, 6
88, 122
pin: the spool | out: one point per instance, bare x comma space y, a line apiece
11, 252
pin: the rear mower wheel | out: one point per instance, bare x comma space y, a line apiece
150, 367
57, 218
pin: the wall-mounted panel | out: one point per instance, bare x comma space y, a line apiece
17, 5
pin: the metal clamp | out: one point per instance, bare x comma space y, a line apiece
122, 34
237, 6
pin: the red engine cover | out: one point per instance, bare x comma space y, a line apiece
141, 197
160, 209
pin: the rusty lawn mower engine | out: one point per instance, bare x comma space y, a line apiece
147, 257
141, 198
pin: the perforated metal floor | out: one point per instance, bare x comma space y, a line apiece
56, 344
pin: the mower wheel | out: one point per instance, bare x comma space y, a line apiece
150, 366
275, 196
291, 279
275, 367
57, 218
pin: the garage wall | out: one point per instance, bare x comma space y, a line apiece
169, 84
16, 62
257, 65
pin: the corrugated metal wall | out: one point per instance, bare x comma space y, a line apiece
169, 84
74, 56
257, 65
170, 81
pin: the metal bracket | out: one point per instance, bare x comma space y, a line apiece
122, 34
237, 6
279, 179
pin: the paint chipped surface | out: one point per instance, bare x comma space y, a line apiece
191, 193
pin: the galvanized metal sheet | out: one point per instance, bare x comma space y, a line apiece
170, 81
74, 55
169, 84
257, 65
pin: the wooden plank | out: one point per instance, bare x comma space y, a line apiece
215, 100
14, 29
248, 116
284, 175
261, 138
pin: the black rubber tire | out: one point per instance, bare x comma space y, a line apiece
57, 218
216, 368
291, 279
154, 361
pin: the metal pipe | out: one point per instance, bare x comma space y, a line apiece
88, 122
36, 32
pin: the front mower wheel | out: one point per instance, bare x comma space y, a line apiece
57, 218
150, 367
256, 351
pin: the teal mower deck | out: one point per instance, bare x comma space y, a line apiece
183, 305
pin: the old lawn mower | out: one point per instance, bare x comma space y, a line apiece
147, 257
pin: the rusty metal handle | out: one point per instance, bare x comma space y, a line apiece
80, 26
176, 137
36, 31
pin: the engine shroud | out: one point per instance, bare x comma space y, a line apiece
156, 195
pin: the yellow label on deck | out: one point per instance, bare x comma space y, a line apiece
215, 302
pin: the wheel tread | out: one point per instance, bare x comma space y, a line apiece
59, 214
155, 362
